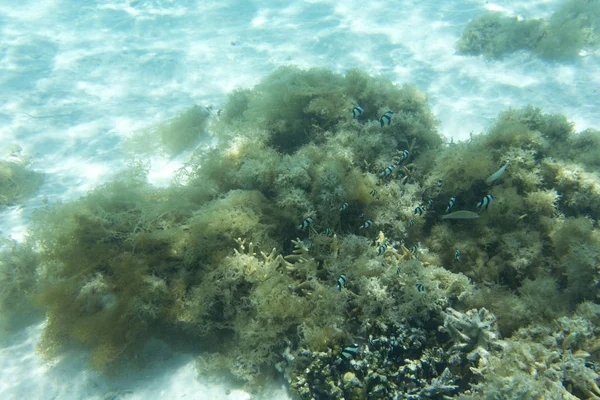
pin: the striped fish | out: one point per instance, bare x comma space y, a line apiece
485, 202
367, 224
386, 118
356, 111
304, 224
341, 282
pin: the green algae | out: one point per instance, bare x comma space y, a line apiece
171, 137
17, 182
573, 27
129, 262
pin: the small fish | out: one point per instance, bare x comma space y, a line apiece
328, 231
356, 111
373, 193
304, 224
485, 202
374, 342
411, 222
430, 203
350, 351
405, 154
341, 282
420, 287
462, 214
401, 157
361, 215
382, 249
414, 248
496, 175
393, 342
419, 210
440, 182
388, 171
387, 117
344, 206
451, 203
457, 256
367, 224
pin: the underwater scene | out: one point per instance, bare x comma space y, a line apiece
229, 214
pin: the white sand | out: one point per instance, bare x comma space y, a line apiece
79, 76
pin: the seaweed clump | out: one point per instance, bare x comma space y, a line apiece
17, 182
573, 27
326, 258
171, 137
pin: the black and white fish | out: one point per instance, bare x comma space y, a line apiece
350, 351
440, 182
388, 171
457, 255
405, 154
419, 210
356, 111
328, 231
386, 118
304, 224
341, 282
451, 203
414, 248
382, 249
420, 287
485, 202
373, 193
411, 222
344, 206
367, 224
430, 203
398, 158
361, 215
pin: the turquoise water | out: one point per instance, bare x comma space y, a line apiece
79, 81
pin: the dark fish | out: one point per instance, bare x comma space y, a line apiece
344, 206
457, 255
341, 282
420, 287
382, 249
388, 171
419, 210
367, 224
356, 111
451, 203
373, 192
387, 117
485, 202
304, 224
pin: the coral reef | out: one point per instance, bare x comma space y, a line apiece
312, 241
